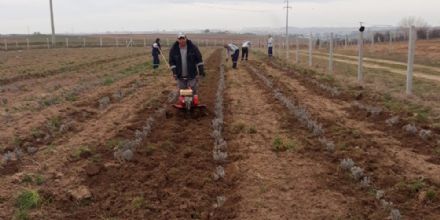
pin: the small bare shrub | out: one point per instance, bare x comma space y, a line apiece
425, 134
357, 173
219, 173
392, 121
365, 182
395, 214
410, 129
104, 102
220, 201
380, 194
347, 164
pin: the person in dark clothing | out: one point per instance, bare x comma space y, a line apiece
186, 63
233, 51
156, 49
245, 50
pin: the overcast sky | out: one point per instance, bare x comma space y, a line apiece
79, 16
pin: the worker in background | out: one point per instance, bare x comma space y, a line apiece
156, 49
233, 51
270, 46
245, 50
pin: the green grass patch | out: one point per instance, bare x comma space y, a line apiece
82, 152
108, 81
431, 195
49, 101
54, 123
26, 200
280, 145
138, 202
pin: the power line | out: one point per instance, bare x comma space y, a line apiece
232, 9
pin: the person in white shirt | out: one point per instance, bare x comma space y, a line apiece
245, 50
233, 51
270, 46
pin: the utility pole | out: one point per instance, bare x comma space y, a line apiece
287, 30
53, 25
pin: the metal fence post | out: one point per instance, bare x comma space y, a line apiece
411, 51
361, 56
297, 51
330, 60
310, 50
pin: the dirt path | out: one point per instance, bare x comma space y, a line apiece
284, 185
431, 68
381, 67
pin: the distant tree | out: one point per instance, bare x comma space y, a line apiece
206, 31
37, 33
416, 21
421, 25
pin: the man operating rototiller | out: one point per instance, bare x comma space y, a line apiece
186, 63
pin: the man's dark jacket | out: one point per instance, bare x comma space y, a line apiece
194, 60
156, 51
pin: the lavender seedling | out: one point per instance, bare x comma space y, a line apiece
410, 129
347, 164
357, 173
395, 214
220, 201
104, 103
385, 204
392, 121
380, 194
425, 134
365, 182
219, 173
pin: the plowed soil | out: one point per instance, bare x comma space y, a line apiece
275, 169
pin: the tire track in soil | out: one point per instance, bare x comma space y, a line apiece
295, 184
389, 159
61, 170
171, 174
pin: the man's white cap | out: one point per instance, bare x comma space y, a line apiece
181, 34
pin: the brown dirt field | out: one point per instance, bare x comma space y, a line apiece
285, 185
386, 151
16, 65
276, 167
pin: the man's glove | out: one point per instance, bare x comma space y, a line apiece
202, 71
